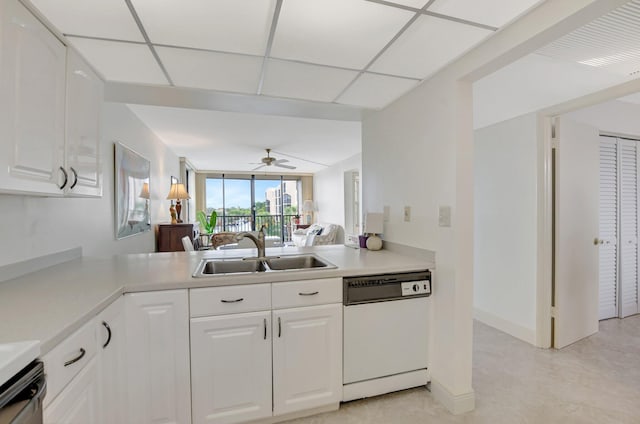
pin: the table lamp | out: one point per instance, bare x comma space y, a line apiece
373, 225
308, 208
177, 193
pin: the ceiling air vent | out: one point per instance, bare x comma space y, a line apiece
611, 42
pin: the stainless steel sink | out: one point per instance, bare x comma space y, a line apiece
295, 262
210, 266
229, 266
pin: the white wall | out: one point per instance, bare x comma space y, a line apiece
34, 226
616, 116
328, 192
505, 225
418, 152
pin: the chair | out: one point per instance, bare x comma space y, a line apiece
187, 244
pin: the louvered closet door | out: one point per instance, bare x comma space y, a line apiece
628, 170
608, 231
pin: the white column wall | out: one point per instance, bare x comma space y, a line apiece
418, 152
505, 254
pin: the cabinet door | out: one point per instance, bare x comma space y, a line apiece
111, 344
78, 403
307, 357
84, 103
32, 90
157, 355
231, 368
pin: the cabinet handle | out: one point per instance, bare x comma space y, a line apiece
75, 177
108, 334
265, 329
309, 294
279, 328
66, 178
232, 301
76, 359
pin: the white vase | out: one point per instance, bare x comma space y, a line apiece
374, 243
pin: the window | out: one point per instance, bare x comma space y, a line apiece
245, 203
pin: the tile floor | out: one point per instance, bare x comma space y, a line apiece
596, 380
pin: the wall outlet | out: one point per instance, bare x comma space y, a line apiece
386, 213
444, 216
407, 213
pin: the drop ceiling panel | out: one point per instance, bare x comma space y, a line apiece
238, 26
117, 61
303, 81
428, 45
376, 91
212, 71
495, 13
347, 33
93, 18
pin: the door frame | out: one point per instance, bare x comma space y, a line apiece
545, 221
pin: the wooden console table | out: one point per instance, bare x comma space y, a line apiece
169, 236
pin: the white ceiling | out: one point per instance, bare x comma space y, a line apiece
599, 55
360, 53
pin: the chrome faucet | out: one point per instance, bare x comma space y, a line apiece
258, 241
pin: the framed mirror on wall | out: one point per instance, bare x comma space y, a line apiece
132, 175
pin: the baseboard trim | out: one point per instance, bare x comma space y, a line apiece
519, 332
456, 404
18, 269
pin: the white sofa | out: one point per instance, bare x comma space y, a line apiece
315, 235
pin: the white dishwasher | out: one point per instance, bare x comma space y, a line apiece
386, 324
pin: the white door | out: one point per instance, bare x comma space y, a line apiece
628, 170
78, 403
84, 102
608, 231
307, 358
576, 232
32, 93
159, 384
231, 368
110, 326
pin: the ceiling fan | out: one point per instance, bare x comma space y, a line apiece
268, 161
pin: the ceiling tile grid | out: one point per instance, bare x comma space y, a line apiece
421, 50
316, 50
211, 70
237, 26
118, 61
304, 81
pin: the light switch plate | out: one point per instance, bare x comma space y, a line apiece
407, 213
386, 212
444, 216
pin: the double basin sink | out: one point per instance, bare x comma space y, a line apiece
210, 266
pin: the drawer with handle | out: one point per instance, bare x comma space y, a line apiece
230, 299
66, 360
305, 293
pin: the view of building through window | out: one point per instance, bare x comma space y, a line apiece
245, 204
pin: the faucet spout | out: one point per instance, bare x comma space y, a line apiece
259, 241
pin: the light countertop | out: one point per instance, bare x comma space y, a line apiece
48, 305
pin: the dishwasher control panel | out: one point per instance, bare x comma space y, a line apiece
412, 288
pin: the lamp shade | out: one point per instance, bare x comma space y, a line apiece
307, 206
373, 223
178, 192
144, 192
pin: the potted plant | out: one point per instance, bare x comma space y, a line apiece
206, 226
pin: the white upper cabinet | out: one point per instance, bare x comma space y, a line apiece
32, 98
84, 101
50, 102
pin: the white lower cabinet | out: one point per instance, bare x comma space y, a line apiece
157, 354
79, 402
110, 328
231, 368
307, 358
